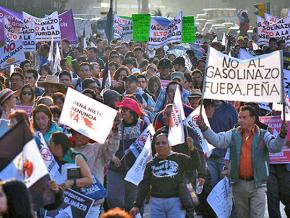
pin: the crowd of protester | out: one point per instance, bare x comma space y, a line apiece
142, 88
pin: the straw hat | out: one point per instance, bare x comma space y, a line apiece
51, 80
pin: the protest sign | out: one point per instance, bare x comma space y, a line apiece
11, 53
74, 205
67, 26
141, 25
122, 28
188, 29
47, 28
87, 116
279, 30
12, 33
27, 109
162, 35
136, 173
220, 198
274, 123
190, 121
28, 33
258, 79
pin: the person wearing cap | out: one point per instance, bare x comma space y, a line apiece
164, 68
194, 98
179, 65
130, 129
51, 85
7, 102
131, 87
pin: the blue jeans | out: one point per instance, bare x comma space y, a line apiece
120, 192
215, 167
166, 208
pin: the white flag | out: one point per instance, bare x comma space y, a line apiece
57, 59
255, 46
190, 121
50, 55
215, 39
136, 173
27, 166
176, 130
224, 40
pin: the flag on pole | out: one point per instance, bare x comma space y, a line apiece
23, 162
136, 173
215, 39
57, 59
110, 24
50, 54
84, 39
224, 40
176, 129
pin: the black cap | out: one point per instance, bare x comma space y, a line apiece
164, 63
179, 60
131, 78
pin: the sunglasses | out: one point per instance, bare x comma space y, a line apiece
26, 93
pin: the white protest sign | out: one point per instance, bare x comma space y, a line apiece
28, 33
87, 116
190, 121
160, 35
279, 30
51, 164
47, 28
258, 79
11, 53
12, 33
220, 199
136, 173
122, 28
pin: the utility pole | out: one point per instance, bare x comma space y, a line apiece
145, 6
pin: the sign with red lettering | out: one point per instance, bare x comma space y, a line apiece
274, 124
87, 116
11, 53
160, 35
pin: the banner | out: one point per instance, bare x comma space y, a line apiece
14, 17
258, 79
122, 28
279, 30
160, 35
47, 28
274, 123
11, 54
136, 173
87, 116
220, 198
141, 25
74, 205
188, 29
11, 33
67, 26
28, 33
